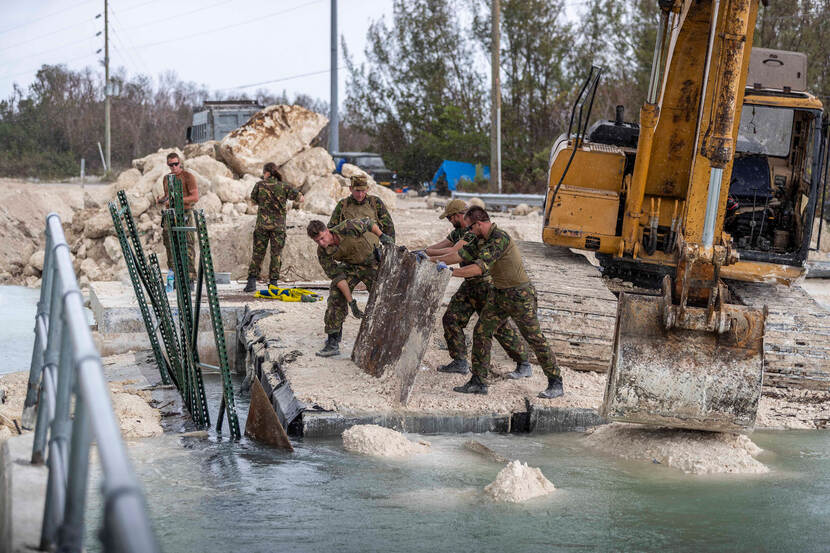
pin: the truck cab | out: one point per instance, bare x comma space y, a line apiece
216, 119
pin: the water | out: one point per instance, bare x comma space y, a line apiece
18, 306
214, 495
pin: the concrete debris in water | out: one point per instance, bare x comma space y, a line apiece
518, 482
371, 439
692, 451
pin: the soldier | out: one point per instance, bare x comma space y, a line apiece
360, 205
349, 253
470, 298
271, 195
513, 296
190, 195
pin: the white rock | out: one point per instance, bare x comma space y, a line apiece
241, 207
233, 191
207, 148
210, 203
99, 225
159, 158
36, 260
209, 169
227, 209
518, 482
521, 210
323, 195
311, 162
90, 269
138, 204
476, 201
127, 179
113, 248
96, 196
277, 133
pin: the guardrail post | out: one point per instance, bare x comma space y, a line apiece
27, 420
71, 532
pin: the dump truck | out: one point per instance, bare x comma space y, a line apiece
710, 200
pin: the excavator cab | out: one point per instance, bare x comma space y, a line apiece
719, 180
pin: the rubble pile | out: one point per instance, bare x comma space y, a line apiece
225, 171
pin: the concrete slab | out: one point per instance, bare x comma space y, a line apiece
22, 495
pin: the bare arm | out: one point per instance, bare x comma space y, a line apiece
343, 286
444, 251
434, 249
467, 272
449, 258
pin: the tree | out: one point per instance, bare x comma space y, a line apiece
419, 97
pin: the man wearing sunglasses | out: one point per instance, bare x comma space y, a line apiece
190, 193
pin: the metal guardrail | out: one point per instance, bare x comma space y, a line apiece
502, 201
65, 363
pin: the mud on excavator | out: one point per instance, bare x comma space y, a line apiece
720, 180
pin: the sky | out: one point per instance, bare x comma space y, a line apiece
223, 44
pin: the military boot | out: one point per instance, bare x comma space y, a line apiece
474, 386
273, 282
251, 286
460, 366
332, 346
523, 370
554, 388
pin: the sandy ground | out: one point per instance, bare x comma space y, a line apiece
371, 439
337, 383
136, 417
518, 482
690, 451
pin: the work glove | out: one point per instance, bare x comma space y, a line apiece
386, 239
355, 309
441, 266
421, 255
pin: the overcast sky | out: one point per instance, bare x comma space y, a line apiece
222, 44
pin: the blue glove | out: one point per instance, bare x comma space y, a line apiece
441, 266
421, 255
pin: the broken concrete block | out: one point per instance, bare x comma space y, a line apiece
395, 330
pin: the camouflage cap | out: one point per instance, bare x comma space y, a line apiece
359, 182
453, 207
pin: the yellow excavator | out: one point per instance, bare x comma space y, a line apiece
719, 182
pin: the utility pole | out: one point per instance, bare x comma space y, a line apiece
107, 144
334, 120
495, 101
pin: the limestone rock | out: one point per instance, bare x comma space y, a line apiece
323, 195
96, 197
207, 148
138, 204
210, 203
90, 269
113, 248
127, 179
476, 201
233, 191
227, 209
241, 207
209, 168
521, 210
276, 133
312, 162
518, 482
36, 260
99, 225
153, 160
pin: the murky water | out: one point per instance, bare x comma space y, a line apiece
214, 495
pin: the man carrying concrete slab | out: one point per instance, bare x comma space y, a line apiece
349, 253
359, 205
513, 296
470, 298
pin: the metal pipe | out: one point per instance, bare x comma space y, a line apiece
71, 531
656, 71
712, 202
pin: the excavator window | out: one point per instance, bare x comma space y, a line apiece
765, 130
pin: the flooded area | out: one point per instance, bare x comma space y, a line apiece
215, 495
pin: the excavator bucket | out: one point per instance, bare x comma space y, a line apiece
683, 378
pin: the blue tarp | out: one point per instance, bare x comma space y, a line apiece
455, 170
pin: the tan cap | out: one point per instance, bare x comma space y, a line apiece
453, 207
359, 182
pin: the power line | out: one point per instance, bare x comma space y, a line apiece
72, 7
257, 19
60, 63
131, 48
40, 37
59, 47
289, 78
168, 17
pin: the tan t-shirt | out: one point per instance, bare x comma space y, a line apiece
189, 187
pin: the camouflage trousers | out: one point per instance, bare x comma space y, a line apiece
261, 239
191, 246
337, 308
470, 298
519, 304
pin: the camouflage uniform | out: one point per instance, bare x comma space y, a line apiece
272, 198
371, 207
471, 297
354, 260
513, 296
